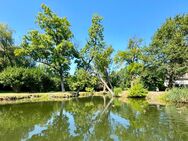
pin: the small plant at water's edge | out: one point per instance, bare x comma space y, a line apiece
89, 90
177, 95
117, 91
137, 90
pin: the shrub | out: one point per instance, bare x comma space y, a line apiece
12, 77
137, 90
117, 91
177, 95
89, 90
35, 80
82, 80
26, 79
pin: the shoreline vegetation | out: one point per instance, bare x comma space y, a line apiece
12, 98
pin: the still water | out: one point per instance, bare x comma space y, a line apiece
93, 119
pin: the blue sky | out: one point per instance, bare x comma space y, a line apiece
122, 18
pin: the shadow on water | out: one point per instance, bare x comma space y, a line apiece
93, 118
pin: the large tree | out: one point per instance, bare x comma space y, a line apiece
131, 58
96, 55
51, 45
169, 48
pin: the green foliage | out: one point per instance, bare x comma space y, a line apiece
25, 79
12, 77
82, 79
132, 60
89, 90
6, 43
53, 46
121, 78
7, 57
132, 54
117, 103
96, 55
102, 60
117, 91
177, 95
138, 104
169, 49
152, 80
137, 90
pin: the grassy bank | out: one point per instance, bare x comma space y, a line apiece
162, 98
6, 98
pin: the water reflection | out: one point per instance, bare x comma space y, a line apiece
96, 118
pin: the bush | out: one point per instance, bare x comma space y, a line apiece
12, 77
137, 90
82, 80
25, 79
89, 90
117, 91
177, 95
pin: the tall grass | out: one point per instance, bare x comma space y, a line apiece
178, 95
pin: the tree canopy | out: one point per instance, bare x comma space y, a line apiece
53, 46
131, 58
96, 54
169, 48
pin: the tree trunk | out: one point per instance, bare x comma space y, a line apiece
16, 88
78, 91
108, 79
62, 85
104, 89
170, 82
132, 81
106, 85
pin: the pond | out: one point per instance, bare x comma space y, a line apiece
93, 119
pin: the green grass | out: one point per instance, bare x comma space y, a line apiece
118, 91
177, 95
11, 97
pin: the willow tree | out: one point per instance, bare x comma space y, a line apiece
51, 45
96, 55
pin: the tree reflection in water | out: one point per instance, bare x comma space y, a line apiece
97, 118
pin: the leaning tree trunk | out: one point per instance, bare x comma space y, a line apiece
104, 89
106, 85
108, 79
